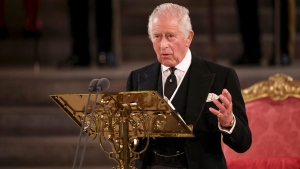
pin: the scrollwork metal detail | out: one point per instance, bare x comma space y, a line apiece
122, 120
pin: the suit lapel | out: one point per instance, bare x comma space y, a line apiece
199, 86
151, 79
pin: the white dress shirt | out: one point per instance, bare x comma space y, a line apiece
180, 71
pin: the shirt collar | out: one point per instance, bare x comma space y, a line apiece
184, 64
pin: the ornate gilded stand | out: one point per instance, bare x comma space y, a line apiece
123, 119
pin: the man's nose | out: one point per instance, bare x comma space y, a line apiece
164, 42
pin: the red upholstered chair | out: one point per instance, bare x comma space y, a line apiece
273, 110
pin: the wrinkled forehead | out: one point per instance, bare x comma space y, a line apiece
164, 21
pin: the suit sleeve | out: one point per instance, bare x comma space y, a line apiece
129, 86
240, 139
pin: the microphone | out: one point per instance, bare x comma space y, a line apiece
93, 84
102, 84
92, 88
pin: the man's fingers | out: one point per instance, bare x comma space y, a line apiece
226, 94
214, 111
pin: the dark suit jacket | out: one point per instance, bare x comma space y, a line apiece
204, 151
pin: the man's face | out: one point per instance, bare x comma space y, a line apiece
168, 41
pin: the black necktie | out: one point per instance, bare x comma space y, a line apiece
171, 83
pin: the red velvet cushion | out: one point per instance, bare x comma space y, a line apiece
264, 163
275, 127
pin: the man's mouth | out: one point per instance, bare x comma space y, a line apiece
165, 54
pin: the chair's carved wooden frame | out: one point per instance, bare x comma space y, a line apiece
278, 87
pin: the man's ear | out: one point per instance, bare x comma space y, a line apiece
189, 38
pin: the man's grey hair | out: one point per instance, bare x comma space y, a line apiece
172, 11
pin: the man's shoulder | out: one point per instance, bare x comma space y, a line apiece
210, 64
148, 67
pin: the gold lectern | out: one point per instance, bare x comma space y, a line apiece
122, 119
